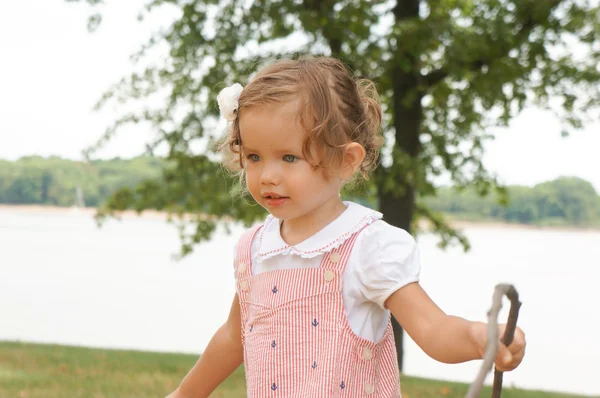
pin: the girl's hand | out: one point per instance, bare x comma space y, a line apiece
508, 358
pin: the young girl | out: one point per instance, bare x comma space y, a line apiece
317, 281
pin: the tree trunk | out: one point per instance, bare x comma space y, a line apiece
398, 209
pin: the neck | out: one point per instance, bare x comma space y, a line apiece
296, 230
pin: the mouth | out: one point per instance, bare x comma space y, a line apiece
273, 199
271, 195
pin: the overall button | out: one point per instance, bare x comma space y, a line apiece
367, 354
241, 268
244, 286
334, 257
329, 275
369, 389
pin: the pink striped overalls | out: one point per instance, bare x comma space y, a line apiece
296, 336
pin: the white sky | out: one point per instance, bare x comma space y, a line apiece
52, 72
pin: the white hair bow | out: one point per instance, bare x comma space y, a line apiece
228, 101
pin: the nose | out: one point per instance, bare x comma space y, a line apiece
270, 174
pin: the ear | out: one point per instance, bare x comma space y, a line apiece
354, 153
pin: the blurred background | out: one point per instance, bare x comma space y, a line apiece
117, 224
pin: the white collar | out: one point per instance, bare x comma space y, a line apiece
353, 219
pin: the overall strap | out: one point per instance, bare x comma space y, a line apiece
337, 258
243, 260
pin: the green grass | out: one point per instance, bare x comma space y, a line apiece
52, 371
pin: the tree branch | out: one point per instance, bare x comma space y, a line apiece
509, 333
330, 31
498, 52
405, 9
492, 338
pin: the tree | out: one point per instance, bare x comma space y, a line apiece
572, 199
564, 201
448, 70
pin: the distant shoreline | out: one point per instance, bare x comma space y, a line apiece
91, 211
153, 214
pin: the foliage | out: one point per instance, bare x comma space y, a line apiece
564, 201
447, 71
53, 181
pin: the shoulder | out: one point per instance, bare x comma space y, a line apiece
249, 238
385, 258
249, 235
379, 235
256, 230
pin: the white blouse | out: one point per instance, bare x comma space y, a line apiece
384, 259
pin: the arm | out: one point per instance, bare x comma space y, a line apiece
213, 367
447, 338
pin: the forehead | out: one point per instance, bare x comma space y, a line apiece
271, 125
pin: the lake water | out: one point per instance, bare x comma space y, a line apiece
63, 280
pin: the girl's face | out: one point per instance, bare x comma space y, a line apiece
278, 176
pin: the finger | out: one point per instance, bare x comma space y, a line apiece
518, 341
504, 357
503, 368
515, 348
516, 361
518, 356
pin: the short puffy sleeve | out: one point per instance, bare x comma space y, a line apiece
387, 258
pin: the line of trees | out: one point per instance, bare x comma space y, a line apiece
564, 201
54, 181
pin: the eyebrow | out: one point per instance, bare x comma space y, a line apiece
246, 149
282, 151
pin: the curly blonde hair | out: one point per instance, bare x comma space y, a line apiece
335, 109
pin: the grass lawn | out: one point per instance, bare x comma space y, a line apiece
52, 371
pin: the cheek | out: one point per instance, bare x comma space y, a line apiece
250, 178
315, 178
322, 175
252, 182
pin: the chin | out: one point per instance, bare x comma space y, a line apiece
282, 214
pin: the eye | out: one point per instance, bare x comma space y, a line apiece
289, 158
253, 157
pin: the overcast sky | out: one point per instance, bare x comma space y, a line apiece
52, 71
